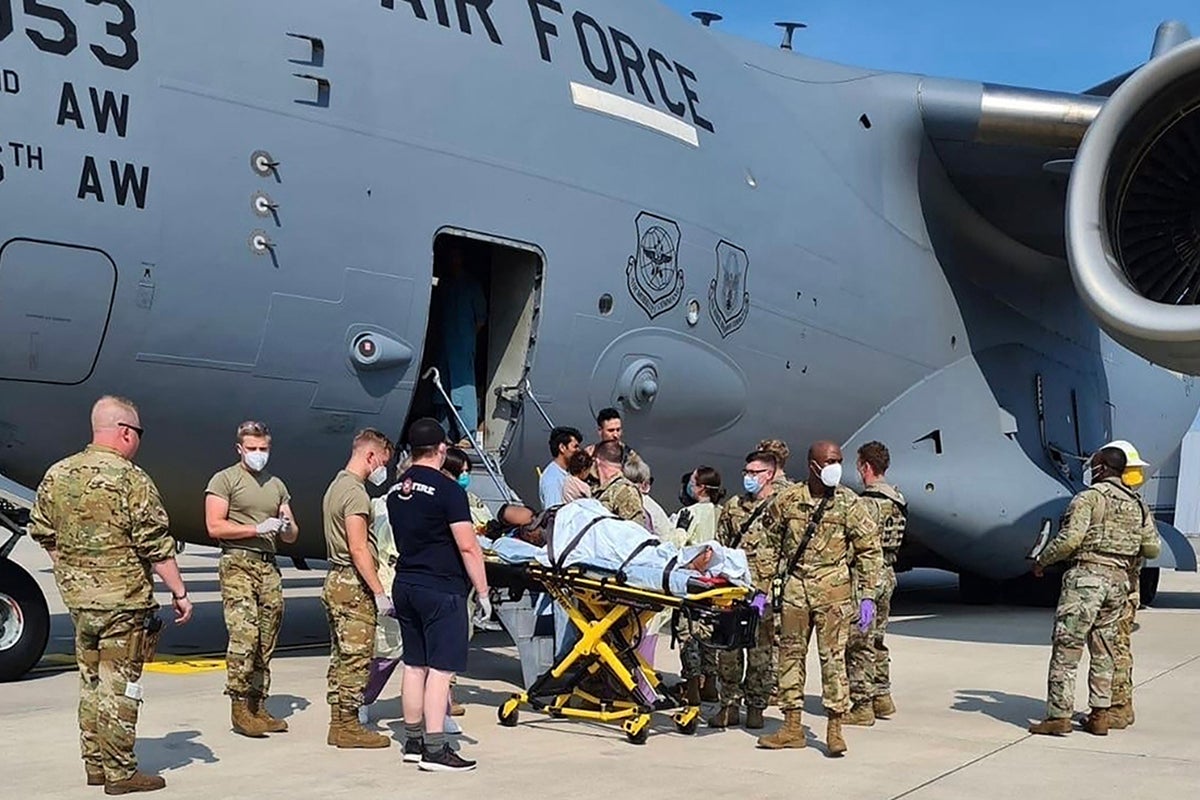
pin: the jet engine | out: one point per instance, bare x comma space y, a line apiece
1133, 212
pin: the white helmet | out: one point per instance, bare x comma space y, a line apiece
1132, 459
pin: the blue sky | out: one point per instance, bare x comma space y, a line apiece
1067, 45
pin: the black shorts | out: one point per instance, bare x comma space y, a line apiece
433, 627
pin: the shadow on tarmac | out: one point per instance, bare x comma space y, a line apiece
1014, 709
176, 750
283, 706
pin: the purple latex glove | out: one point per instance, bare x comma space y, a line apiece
866, 614
759, 602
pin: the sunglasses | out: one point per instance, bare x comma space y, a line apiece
139, 431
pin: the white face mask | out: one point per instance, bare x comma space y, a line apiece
256, 460
831, 475
1088, 477
378, 475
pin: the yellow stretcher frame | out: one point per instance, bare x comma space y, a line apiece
602, 608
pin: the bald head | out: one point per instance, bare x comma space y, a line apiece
824, 453
116, 424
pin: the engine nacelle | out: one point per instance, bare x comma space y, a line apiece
1133, 212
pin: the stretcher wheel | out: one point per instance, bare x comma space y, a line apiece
690, 727
508, 714
639, 736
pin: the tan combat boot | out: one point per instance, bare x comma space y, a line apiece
1096, 723
1052, 727
754, 719
1118, 717
258, 707
727, 717
709, 693
790, 735
95, 775
335, 722
860, 714
351, 735
883, 706
834, 743
137, 782
456, 708
244, 722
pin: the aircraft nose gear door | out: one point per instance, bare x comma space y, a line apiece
505, 494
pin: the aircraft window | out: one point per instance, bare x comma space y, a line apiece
693, 311
606, 304
929, 487
953, 342
865, 121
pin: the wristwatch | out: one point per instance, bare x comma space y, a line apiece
179, 596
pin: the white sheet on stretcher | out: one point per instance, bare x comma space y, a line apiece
609, 542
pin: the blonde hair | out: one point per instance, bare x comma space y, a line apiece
635, 470
110, 411
370, 436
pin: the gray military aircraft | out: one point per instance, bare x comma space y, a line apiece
239, 210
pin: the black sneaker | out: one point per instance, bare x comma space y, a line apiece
444, 760
413, 748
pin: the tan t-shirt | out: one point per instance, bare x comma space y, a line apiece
345, 497
252, 499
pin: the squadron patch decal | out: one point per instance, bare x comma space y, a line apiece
728, 298
653, 273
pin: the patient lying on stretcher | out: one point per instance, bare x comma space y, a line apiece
583, 533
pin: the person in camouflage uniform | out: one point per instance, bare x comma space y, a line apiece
353, 595
781, 451
246, 509
1106, 528
838, 565
868, 663
1120, 715
617, 493
101, 519
740, 526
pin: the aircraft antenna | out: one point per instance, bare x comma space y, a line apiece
788, 29
707, 18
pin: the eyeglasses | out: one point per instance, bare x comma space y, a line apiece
139, 431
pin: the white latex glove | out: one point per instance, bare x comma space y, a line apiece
384, 606
269, 526
483, 608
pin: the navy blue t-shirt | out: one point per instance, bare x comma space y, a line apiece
421, 508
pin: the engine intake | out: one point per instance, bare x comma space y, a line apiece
1133, 212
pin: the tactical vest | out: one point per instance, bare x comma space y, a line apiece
1116, 524
892, 522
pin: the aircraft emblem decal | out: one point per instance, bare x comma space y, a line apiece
728, 299
653, 273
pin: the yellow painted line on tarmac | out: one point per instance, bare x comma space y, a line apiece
166, 663
183, 665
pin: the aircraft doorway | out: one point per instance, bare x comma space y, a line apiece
482, 320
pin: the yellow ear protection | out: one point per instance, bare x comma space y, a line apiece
1133, 477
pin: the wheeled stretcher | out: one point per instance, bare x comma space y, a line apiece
598, 678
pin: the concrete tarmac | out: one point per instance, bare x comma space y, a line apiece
967, 682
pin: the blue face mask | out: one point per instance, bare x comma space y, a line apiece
464, 480
750, 484
691, 490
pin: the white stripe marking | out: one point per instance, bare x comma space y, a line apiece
614, 106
